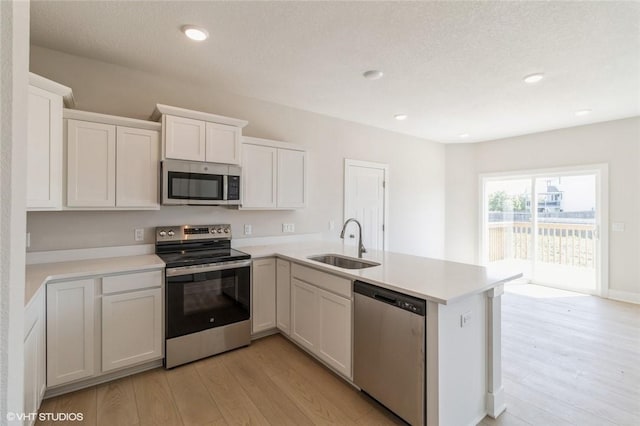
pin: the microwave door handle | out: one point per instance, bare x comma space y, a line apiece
225, 186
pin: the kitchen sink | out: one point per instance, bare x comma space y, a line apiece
343, 261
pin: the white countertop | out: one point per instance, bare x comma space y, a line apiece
437, 280
41, 273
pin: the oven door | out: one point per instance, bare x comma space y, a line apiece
202, 297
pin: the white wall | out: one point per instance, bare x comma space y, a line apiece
416, 166
14, 57
616, 143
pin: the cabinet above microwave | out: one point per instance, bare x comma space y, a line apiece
199, 136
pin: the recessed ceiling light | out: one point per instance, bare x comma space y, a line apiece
195, 33
400, 117
583, 112
463, 135
373, 74
533, 78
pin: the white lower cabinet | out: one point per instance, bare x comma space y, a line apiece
99, 325
131, 328
304, 314
34, 354
283, 296
334, 336
70, 331
321, 319
263, 299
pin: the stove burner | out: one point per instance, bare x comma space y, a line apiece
196, 245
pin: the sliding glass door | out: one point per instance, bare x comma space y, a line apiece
546, 225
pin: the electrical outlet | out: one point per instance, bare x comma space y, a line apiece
332, 225
139, 234
288, 227
28, 239
617, 226
465, 319
247, 230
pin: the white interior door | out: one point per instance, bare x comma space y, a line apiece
365, 198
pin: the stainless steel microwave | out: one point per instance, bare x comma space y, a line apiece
202, 184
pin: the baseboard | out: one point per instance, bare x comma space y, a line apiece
478, 419
264, 333
495, 403
61, 390
624, 296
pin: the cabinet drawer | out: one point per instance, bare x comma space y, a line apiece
329, 282
128, 282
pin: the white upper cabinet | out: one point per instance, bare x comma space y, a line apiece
259, 177
222, 143
44, 143
91, 164
184, 138
292, 176
112, 162
274, 175
199, 136
137, 159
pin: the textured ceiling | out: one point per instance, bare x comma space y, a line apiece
453, 67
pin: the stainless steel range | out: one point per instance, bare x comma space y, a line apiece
208, 292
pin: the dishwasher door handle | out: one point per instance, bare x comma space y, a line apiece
385, 299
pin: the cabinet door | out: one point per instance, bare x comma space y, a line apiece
184, 138
70, 331
258, 176
304, 314
34, 353
137, 168
44, 150
31, 371
334, 340
283, 295
263, 300
223, 143
91, 164
131, 328
292, 172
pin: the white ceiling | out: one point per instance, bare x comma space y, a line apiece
453, 67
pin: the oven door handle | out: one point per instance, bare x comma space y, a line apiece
196, 269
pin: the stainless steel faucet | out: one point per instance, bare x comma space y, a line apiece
361, 248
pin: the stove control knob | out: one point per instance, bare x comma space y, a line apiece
162, 233
227, 230
213, 231
171, 233
219, 231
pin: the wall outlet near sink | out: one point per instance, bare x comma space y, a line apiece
288, 227
247, 230
139, 234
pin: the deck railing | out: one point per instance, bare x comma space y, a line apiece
570, 244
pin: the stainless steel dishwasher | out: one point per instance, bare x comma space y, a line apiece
389, 349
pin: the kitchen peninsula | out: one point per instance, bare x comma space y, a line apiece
463, 331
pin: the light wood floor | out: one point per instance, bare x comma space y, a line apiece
570, 360
270, 382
